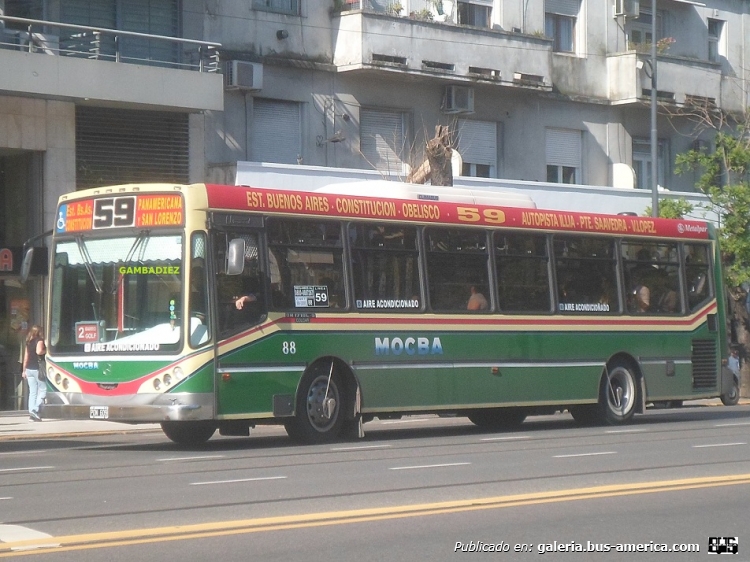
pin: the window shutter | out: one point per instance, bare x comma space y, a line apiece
382, 139
563, 147
276, 131
115, 146
477, 142
563, 7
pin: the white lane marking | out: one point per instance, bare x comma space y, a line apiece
6, 498
13, 533
24, 453
429, 466
505, 438
204, 457
731, 424
717, 445
585, 455
624, 430
391, 422
20, 469
360, 447
238, 480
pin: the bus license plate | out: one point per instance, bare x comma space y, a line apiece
99, 412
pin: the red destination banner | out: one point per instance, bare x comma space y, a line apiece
435, 211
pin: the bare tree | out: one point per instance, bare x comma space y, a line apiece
437, 167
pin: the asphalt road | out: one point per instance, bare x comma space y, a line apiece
410, 490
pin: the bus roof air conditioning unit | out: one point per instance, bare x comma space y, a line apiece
242, 75
627, 8
458, 99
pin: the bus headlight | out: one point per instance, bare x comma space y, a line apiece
58, 379
157, 384
178, 373
65, 384
167, 379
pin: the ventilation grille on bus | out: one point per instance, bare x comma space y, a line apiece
704, 364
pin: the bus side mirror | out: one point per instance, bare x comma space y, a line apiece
28, 259
235, 257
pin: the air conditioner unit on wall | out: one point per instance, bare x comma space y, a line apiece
627, 8
458, 99
243, 75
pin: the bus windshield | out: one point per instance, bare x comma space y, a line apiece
117, 294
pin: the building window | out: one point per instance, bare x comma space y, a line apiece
715, 43
383, 139
642, 163
560, 23
284, 118
477, 145
279, 6
563, 150
639, 30
475, 13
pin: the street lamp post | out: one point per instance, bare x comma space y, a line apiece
654, 140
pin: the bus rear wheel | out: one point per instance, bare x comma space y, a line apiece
319, 410
618, 394
732, 397
498, 418
189, 433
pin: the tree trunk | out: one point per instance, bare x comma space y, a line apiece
741, 323
439, 153
437, 168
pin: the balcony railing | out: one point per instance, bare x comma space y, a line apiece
63, 39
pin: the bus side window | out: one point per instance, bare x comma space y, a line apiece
306, 261
458, 260
385, 267
248, 287
699, 288
586, 275
522, 272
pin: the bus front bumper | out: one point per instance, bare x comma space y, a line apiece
134, 409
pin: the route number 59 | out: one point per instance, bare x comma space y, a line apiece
114, 211
472, 214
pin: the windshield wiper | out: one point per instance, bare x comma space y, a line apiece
87, 262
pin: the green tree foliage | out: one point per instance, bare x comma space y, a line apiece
725, 179
672, 208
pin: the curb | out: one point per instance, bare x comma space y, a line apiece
59, 435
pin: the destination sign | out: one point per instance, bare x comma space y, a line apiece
142, 211
430, 211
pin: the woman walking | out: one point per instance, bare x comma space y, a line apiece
31, 371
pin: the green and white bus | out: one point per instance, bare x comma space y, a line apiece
205, 307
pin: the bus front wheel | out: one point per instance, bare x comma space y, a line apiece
319, 410
189, 433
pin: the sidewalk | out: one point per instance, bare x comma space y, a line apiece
17, 425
